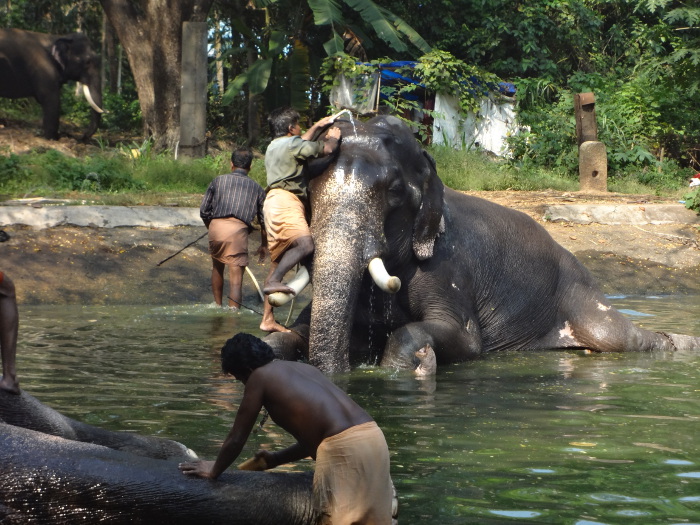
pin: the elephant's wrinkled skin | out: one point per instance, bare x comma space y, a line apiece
65, 480
28, 412
476, 276
36, 65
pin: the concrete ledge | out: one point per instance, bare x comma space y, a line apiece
99, 216
622, 214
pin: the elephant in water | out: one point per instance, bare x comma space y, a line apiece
60, 471
36, 65
402, 262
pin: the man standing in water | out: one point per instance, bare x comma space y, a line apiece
230, 204
352, 483
9, 325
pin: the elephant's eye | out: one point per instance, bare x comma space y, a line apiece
396, 193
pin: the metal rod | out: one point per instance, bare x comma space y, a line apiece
182, 249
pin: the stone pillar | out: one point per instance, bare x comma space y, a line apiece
193, 90
593, 166
592, 155
586, 125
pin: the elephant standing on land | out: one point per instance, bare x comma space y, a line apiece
472, 276
60, 471
37, 65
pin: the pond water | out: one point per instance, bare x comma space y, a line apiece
537, 437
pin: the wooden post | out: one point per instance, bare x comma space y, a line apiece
592, 155
193, 91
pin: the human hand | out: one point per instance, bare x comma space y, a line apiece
262, 253
333, 133
200, 469
268, 457
325, 121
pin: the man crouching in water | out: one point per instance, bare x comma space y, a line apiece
352, 483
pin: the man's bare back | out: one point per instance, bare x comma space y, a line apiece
293, 392
297, 396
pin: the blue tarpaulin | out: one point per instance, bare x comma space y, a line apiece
390, 76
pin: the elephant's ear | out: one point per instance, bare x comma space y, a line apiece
429, 222
59, 49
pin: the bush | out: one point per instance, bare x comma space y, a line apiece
692, 200
638, 121
59, 172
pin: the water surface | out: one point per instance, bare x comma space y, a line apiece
537, 437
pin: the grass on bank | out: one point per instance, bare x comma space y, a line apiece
134, 175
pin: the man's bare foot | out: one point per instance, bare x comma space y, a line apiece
10, 386
273, 326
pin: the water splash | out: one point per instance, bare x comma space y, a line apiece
349, 113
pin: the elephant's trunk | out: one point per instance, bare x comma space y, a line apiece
336, 282
344, 227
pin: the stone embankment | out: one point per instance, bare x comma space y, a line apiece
60, 254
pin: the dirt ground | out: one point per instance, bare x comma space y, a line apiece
70, 265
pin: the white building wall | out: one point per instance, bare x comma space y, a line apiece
497, 120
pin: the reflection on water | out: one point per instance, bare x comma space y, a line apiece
538, 437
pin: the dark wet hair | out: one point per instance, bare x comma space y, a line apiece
281, 119
242, 158
243, 353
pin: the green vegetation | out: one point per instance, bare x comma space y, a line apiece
639, 57
134, 174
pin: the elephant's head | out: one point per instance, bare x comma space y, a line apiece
77, 61
380, 199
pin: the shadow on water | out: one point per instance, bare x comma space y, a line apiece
537, 437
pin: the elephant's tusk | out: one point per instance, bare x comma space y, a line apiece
388, 283
88, 96
301, 279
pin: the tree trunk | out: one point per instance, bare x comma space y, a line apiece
152, 39
219, 59
253, 120
110, 58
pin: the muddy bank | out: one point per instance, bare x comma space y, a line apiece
103, 266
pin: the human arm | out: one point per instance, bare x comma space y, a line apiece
284, 456
236, 439
262, 251
205, 209
331, 141
310, 133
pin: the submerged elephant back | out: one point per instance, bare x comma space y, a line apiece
28, 412
52, 480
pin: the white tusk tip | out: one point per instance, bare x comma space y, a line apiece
393, 285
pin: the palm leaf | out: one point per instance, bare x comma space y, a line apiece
373, 15
326, 12
278, 41
405, 29
259, 75
256, 76
335, 45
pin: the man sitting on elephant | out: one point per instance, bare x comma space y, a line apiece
352, 483
286, 208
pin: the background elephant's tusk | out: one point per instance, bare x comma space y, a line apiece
388, 283
301, 279
88, 96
